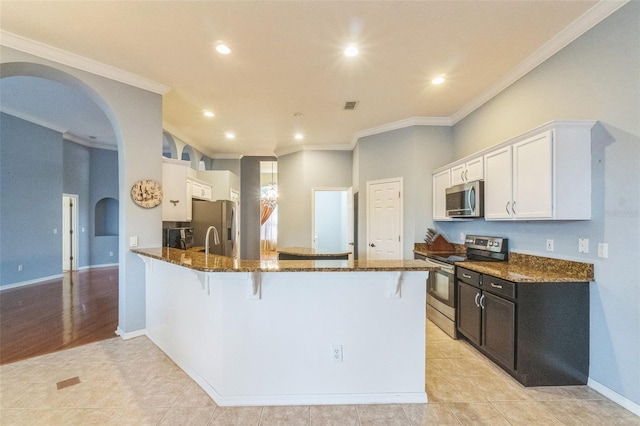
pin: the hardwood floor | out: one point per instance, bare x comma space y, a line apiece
80, 308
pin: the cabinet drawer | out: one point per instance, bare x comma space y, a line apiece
499, 286
468, 276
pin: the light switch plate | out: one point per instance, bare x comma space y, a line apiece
133, 241
603, 250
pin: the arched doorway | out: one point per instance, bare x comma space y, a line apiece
36, 158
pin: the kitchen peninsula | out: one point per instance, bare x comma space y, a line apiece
291, 331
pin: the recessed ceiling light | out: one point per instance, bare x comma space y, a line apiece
299, 136
438, 80
208, 114
351, 50
298, 114
229, 135
223, 49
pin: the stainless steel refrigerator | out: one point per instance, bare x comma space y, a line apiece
223, 216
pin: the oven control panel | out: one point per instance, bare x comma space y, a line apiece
493, 244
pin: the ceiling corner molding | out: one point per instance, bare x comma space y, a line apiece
401, 124
34, 120
297, 148
581, 25
87, 142
226, 156
60, 56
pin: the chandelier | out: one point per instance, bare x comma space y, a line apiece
269, 197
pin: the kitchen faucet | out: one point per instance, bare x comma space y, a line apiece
216, 239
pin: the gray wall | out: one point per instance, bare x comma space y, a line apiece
298, 173
595, 77
37, 167
103, 179
30, 201
411, 153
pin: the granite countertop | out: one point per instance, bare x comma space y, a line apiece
307, 251
525, 268
214, 263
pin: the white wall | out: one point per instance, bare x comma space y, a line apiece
595, 77
136, 116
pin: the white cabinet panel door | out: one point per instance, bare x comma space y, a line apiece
441, 181
384, 220
533, 177
497, 184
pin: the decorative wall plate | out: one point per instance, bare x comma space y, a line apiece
146, 193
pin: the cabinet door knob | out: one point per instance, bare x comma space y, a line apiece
466, 275
466, 175
482, 302
513, 207
371, 245
476, 300
495, 285
507, 208
462, 175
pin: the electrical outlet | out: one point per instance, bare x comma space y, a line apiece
19, 268
583, 245
549, 245
55, 230
336, 353
133, 241
110, 253
461, 236
603, 250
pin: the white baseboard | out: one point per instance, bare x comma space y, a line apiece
131, 334
106, 265
614, 396
31, 282
52, 277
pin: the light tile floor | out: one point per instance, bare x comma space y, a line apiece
133, 382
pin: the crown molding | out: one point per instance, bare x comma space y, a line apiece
65, 133
60, 56
297, 148
581, 25
31, 119
88, 142
401, 124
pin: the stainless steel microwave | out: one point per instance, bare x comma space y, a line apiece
465, 200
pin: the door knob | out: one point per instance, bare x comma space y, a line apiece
371, 245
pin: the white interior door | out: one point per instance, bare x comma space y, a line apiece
69, 235
384, 219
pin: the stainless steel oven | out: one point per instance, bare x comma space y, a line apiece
441, 284
441, 298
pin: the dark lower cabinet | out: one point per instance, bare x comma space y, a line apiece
537, 332
469, 313
499, 328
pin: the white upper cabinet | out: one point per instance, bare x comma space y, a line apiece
224, 184
518, 180
441, 181
469, 171
200, 190
544, 174
497, 175
176, 188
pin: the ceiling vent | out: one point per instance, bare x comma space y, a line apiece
350, 105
